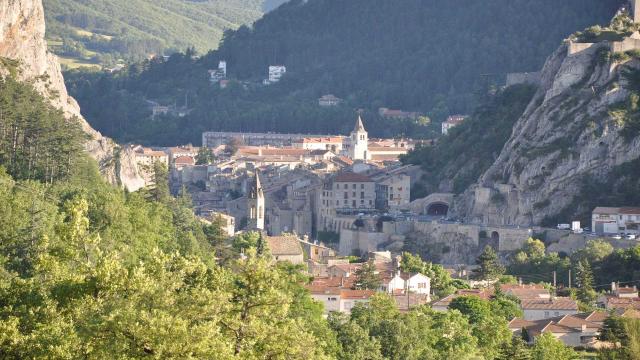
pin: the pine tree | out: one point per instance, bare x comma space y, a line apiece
584, 282
367, 277
489, 265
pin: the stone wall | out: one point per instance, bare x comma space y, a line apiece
574, 48
532, 78
354, 241
625, 45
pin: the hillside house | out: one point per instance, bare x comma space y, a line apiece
620, 298
339, 299
615, 220
401, 282
329, 101
219, 74
398, 114
451, 122
539, 309
275, 74
285, 248
573, 330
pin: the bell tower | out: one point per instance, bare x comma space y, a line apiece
634, 10
255, 205
359, 149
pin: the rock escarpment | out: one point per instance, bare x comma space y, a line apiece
22, 30
566, 135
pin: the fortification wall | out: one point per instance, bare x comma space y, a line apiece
532, 78
574, 48
625, 45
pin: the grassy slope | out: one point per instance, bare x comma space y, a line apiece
177, 23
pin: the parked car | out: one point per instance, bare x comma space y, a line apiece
617, 237
631, 236
564, 226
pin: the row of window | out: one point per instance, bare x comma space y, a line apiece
346, 186
345, 203
346, 194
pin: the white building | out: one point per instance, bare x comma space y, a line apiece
331, 143
393, 191
538, 309
329, 100
414, 283
340, 300
220, 73
255, 205
359, 142
451, 122
615, 220
276, 72
353, 192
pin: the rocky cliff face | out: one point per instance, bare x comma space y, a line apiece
565, 135
22, 30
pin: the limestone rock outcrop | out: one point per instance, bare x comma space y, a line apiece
565, 135
22, 31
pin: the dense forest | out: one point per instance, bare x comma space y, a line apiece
431, 56
103, 32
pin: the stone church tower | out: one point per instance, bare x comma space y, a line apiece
359, 149
255, 205
634, 10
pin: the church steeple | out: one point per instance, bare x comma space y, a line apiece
359, 125
255, 205
359, 149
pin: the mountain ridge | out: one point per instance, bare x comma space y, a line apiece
22, 29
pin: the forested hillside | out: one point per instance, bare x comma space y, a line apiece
105, 31
431, 56
469, 149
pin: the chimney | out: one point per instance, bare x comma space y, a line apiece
342, 281
584, 327
613, 286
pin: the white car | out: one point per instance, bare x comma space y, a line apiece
631, 237
617, 237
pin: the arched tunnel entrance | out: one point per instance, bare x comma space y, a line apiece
438, 209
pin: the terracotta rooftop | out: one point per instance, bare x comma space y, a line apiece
630, 210
533, 291
356, 294
546, 304
284, 245
336, 281
184, 160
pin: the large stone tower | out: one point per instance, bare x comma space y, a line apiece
634, 10
255, 205
359, 149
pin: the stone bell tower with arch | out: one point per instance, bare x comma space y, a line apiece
255, 205
634, 10
359, 149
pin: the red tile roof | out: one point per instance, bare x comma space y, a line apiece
184, 160
356, 294
546, 304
